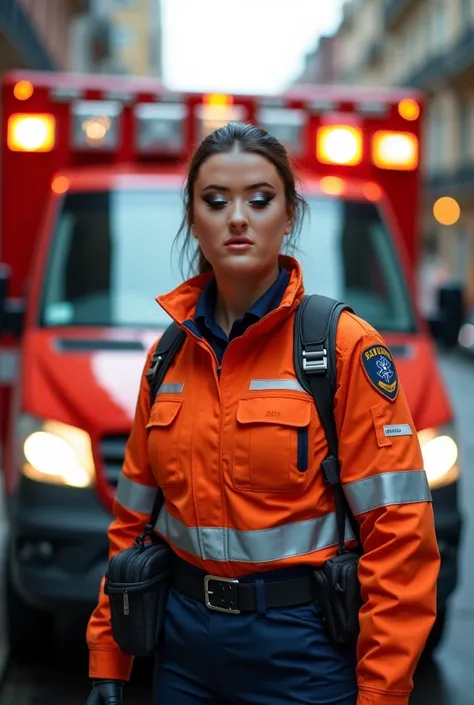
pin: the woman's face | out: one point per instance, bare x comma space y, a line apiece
240, 214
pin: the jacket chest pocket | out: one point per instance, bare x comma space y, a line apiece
271, 444
164, 442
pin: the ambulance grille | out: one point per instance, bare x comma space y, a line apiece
112, 450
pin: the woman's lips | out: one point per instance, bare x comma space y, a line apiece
238, 244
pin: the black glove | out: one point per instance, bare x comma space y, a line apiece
106, 692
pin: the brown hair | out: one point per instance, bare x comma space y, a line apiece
247, 138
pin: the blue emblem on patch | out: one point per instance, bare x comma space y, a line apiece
380, 369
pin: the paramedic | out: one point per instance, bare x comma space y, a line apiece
236, 446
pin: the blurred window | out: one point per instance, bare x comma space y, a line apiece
438, 24
123, 37
464, 130
112, 255
436, 138
466, 14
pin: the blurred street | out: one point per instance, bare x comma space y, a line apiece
59, 679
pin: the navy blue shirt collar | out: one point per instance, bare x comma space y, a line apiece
205, 322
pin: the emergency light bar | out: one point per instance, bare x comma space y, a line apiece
96, 125
325, 130
159, 128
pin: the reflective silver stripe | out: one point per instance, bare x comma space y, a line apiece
262, 384
217, 544
8, 366
386, 489
136, 497
171, 388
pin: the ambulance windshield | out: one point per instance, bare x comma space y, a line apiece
112, 255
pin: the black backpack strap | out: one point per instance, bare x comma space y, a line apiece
169, 344
315, 365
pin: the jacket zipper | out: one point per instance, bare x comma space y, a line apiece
217, 370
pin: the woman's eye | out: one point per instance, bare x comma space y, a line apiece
261, 201
216, 204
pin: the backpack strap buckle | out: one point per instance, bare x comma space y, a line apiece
155, 363
315, 361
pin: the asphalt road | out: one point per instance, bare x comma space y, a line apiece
59, 678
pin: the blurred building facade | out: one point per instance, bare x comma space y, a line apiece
320, 64
118, 37
427, 44
34, 33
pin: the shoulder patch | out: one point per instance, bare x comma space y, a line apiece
380, 369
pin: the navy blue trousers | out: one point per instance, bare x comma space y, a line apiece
278, 657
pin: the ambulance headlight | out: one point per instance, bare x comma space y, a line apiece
55, 453
286, 125
466, 336
440, 455
160, 128
96, 125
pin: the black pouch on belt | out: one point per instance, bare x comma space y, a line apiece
137, 584
338, 595
337, 581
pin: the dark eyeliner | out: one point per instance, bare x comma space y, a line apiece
263, 200
215, 202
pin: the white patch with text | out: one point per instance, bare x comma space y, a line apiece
402, 429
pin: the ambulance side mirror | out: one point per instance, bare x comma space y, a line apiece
451, 313
11, 310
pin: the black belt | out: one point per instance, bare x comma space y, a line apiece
232, 596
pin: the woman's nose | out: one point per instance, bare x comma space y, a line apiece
238, 220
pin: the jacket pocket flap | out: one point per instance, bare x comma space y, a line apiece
284, 411
163, 413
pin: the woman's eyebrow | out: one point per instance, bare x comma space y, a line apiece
216, 187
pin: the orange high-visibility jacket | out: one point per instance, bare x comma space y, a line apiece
225, 448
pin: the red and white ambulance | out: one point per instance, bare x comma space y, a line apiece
91, 177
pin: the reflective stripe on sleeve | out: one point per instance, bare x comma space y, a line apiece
218, 544
287, 384
171, 388
387, 488
135, 497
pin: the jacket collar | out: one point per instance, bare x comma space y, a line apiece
181, 303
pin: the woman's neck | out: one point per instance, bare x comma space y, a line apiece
236, 296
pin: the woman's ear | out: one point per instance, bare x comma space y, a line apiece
290, 221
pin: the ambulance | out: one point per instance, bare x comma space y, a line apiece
92, 171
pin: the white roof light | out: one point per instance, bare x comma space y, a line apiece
159, 127
96, 125
286, 125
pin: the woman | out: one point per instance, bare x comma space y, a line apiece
240, 503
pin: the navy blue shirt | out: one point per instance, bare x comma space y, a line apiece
205, 325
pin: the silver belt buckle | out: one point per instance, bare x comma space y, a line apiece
208, 592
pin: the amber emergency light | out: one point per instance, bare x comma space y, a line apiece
395, 150
339, 144
31, 132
